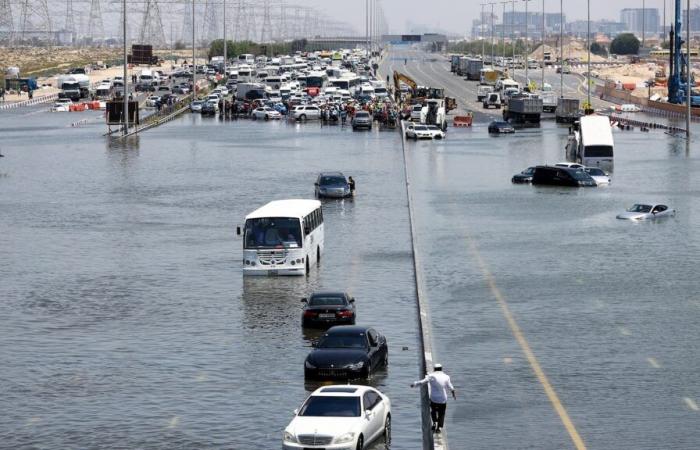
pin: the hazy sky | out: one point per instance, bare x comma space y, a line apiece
457, 15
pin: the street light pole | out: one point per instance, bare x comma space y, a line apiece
543, 36
492, 58
503, 32
481, 29
512, 31
688, 75
126, 80
527, 45
561, 48
588, 44
644, 22
225, 49
194, 63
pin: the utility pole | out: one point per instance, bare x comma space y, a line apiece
225, 45
588, 45
503, 32
527, 45
194, 61
125, 74
543, 36
644, 22
663, 27
367, 25
492, 55
688, 75
481, 29
561, 48
512, 32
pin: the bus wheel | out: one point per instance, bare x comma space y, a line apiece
318, 255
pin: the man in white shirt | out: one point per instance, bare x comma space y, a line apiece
438, 384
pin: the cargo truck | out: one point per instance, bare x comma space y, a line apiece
454, 63
549, 101
523, 109
71, 83
567, 110
473, 71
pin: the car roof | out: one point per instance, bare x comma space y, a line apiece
330, 294
347, 329
331, 174
344, 390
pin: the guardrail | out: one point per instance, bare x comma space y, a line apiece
34, 101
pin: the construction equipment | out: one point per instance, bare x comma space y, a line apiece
680, 79
422, 93
399, 78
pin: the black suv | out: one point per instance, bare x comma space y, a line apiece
561, 176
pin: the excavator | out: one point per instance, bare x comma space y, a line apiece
421, 93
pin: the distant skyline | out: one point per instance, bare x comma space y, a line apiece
456, 16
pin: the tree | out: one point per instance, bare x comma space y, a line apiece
598, 49
179, 45
625, 44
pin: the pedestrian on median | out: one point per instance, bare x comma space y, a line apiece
438, 384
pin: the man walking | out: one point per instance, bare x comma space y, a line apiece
438, 384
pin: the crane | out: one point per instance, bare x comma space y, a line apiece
680, 79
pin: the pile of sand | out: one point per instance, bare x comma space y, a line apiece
572, 49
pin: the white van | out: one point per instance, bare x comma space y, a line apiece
592, 143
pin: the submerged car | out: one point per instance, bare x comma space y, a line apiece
416, 131
649, 211
523, 177
328, 308
332, 185
600, 176
362, 119
500, 126
347, 352
339, 417
561, 176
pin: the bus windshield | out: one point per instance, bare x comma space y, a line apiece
273, 232
598, 151
314, 82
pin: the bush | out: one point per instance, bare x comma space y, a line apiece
625, 44
598, 49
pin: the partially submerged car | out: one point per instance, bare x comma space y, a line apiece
561, 176
417, 131
332, 185
600, 176
523, 177
500, 126
647, 211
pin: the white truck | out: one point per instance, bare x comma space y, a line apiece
482, 91
434, 113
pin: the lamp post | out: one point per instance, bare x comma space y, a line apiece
225, 49
588, 44
492, 56
512, 32
527, 45
688, 75
481, 28
503, 32
561, 48
194, 61
543, 36
125, 74
644, 22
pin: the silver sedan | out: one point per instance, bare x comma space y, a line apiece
647, 212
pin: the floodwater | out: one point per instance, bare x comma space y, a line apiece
126, 321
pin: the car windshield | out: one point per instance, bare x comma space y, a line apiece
421, 128
273, 232
640, 208
362, 114
417, 108
343, 341
332, 181
529, 171
595, 171
580, 175
327, 301
432, 127
322, 406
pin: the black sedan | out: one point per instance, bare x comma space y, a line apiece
328, 308
523, 177
500, 127
347, 352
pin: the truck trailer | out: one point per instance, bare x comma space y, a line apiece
523, 109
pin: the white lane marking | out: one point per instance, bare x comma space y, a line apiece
690, 403
625, 332
173, 422
653, 363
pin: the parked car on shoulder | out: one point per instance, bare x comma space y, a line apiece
647, 211
523, 177
362, 119
561, 176
501, 127
339, 417
347, 352
327, 309
332, 185
265, 113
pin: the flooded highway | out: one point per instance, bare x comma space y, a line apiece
127, 322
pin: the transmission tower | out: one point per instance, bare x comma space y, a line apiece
266, 27
210, 24
95, 25
70, 21
186, 33
152, 31
7, 25
35, 19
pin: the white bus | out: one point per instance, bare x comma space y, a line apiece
592, 143
284, 237
246, 58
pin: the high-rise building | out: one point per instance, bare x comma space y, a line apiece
641, 20
517, 19
694, 19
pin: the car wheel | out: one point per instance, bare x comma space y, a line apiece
302, 117
387, 429
360, 443
267, 117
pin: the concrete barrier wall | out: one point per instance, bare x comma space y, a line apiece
34, 101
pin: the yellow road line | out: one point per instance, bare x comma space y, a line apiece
529, 354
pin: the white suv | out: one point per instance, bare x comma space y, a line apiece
306, 112
340, 417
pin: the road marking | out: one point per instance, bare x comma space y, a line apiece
173, 422
529, 354
625, 332
691, 404
653, 363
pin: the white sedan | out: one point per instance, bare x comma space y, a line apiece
266, 113
339, 417
151, 101
416, 131
647, 212
62, 105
